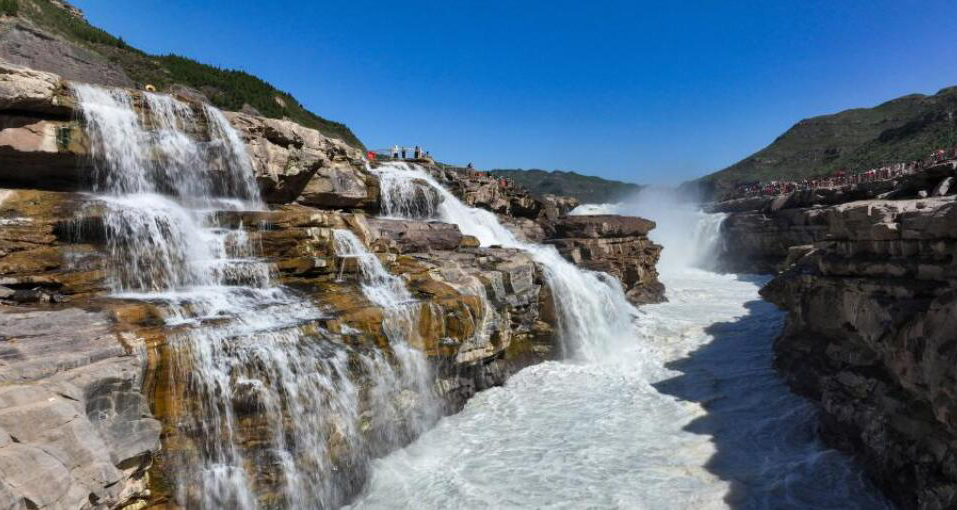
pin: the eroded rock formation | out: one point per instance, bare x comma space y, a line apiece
91, 398
616, 245
869, 286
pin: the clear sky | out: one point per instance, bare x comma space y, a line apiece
648, 92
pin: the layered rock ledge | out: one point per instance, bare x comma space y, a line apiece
88, 403
868, 282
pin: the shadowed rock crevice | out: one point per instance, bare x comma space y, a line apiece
765, 436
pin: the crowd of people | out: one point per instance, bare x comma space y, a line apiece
840, 178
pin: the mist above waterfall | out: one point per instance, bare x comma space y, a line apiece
682, 411
688, 235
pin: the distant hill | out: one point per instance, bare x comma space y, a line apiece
586, 188
906, 128
52, 35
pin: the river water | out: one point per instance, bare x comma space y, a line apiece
670, 406
687, 413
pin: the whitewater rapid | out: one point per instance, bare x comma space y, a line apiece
690, 416
687, 413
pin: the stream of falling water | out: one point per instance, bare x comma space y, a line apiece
594, 315
683, 412
271, 409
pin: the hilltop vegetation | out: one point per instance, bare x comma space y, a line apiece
587, 189
225, 88
903, 129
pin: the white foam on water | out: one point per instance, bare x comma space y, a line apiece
687, 413
594, 315
244, 348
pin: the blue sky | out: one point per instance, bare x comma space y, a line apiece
648, 92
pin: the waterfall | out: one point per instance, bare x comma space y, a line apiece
270, 409
593, 312
690, 236
399, 323
380, 287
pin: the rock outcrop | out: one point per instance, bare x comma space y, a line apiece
24, 43
870, 335
90, 397
616, 245
759, 231
869, 283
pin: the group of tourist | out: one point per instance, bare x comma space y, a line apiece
403, 152
840, 178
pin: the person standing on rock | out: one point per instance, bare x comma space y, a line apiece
395, 151
403, 153
417, 152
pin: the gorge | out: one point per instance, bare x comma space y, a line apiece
210, 309
231, 324
211, 297
867, 283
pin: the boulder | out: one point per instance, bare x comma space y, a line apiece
293, 163
27, 90
415, 236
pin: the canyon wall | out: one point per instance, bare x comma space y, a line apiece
91, 388
868, 282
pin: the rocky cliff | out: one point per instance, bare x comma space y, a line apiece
759, 232
869, 287
92, 386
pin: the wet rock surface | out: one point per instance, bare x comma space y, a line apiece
617, 245
88, 397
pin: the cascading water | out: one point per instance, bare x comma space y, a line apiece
686, 412
592, 309
400, 318
270, 409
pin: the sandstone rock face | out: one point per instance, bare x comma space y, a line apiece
294, 163
617, 245
870, 335
759, 231
403, 236
28, 90
77, 428
89, 395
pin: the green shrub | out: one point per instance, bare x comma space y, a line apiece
9, 7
